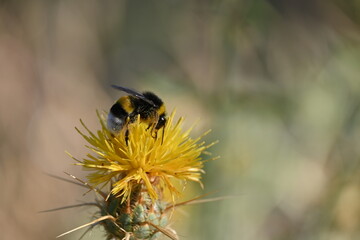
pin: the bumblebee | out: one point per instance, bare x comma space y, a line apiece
126, 109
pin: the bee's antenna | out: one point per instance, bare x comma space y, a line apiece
162, 136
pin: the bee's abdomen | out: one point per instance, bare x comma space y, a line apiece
118, 111
116, 118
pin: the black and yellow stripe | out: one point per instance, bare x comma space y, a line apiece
149, 106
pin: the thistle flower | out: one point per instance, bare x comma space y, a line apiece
139, 157
141, 164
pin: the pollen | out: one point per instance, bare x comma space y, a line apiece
140, 157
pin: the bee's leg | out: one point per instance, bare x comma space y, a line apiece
126, 129
154, 130
127, 137
162, 136
155, 134
151, 126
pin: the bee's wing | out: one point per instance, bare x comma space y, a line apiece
133, 93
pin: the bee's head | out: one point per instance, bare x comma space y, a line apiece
159, 107
161, 121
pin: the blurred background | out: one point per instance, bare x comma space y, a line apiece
276, 80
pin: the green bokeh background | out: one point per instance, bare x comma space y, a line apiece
277, 81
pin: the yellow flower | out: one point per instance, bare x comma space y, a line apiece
144, 158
